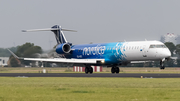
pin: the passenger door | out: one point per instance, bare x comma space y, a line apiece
144, 51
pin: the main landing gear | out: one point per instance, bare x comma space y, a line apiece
115, 69
88, 69
162, 64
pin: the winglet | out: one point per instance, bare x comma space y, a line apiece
14, 54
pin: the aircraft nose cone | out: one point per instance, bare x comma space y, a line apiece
168, 54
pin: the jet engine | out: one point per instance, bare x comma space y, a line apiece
63, 48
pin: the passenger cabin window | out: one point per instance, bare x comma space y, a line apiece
157, 46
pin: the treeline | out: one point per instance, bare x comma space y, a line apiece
28, 50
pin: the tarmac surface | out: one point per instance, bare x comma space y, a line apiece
133, 75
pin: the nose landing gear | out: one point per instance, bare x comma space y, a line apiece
162, 64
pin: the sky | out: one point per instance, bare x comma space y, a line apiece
97, 21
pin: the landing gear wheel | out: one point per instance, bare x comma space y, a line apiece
86, 70
162, 67
112, 70
89, 69
117, 70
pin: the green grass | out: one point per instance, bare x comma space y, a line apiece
89, 89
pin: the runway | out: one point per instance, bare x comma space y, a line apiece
133, 75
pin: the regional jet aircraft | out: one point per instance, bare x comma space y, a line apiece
104, 54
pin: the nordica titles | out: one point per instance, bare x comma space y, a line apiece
98, 50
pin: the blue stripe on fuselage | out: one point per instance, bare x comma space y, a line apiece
111, 52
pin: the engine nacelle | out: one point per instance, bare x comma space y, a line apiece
63, 48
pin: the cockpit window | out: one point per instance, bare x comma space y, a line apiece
152, 46
157, 46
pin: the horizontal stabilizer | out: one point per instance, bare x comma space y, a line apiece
45, 29
48, 29
57, 30
69, 30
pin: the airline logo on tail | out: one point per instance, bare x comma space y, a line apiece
59, 34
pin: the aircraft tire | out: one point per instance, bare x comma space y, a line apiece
86, 70
91, 70
112, 70
162, 67
117, 70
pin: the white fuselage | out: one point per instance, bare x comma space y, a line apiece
146, 50
118, 52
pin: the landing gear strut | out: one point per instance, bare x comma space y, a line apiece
115, 69
162, 64
88, 69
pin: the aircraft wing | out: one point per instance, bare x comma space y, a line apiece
62, 60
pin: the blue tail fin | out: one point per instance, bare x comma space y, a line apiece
59, 34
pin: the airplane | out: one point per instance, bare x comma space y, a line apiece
103, 54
